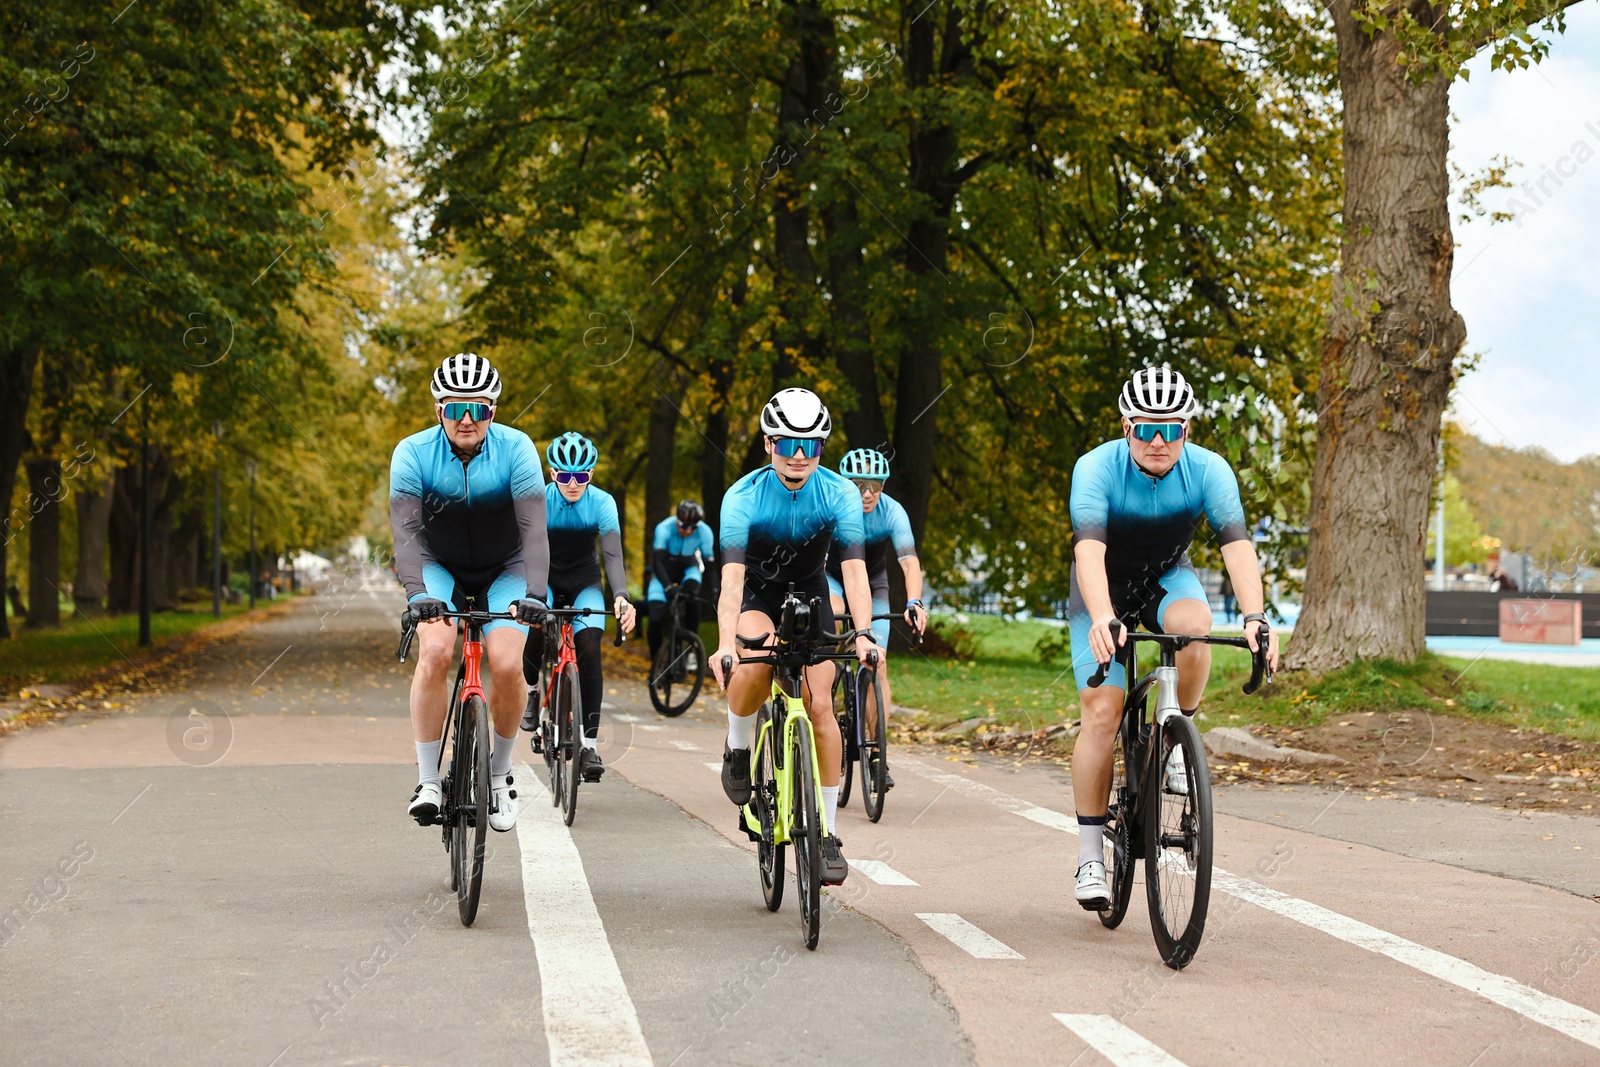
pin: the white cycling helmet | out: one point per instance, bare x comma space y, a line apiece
465, 374
796, 413
1158, 393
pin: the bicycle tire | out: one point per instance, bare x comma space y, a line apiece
472, 811
806, 833
1120, 830
446, 777
670, 658
1169, 873
843, 688
554, 765
770, 856
569, 714
875, 752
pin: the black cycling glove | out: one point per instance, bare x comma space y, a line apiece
428, 608
530, 611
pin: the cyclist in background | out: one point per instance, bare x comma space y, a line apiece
1136, 503
886, 527
683, 544
777, 523
467, 503
576, 513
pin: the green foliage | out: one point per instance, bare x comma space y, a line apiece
48, 657
1439, 40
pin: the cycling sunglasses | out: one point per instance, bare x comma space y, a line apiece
460, 409
1149, 431
573, 477
809, 447
868, 485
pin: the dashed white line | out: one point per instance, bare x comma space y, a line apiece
881, 872
714, 768
589, 1018
687, 746
968, 938
653, 727
1562, 1016
1122, 1046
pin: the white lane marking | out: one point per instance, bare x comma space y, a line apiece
653, 727
589, 1018
881, 872
715, 768
1560, 1015
1122, 1046
968, 938
687, 746
1578, 1023
1043, 816
618, 713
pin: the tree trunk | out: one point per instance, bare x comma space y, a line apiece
16, 390
864, 425
89, 581
183, 564
662, 438
1387, 363
714, 449
44, 541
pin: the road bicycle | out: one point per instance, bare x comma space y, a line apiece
786, 792
870, 748
680, 662
559, 737
464, 812
1170, 831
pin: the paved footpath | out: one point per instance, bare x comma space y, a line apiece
222, 873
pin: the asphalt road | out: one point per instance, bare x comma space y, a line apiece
221, 872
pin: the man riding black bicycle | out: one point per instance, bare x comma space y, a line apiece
467, 503
684, 546
1136, 504
777, 522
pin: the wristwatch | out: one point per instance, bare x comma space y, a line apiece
1256, 616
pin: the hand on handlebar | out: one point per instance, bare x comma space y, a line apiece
1251, 631
916, 617
1104, 641
530, 611
865, 647
428, 608
724, 661
625, 612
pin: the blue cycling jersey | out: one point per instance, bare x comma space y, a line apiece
782, 535
886, 526
470, 514
1148, 523
573, 528
673, 555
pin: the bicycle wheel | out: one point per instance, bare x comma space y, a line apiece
680, 663
550, 724
569, 717
844, 700
874, 751
1177, 859
764, 797
447, 775
806, 833
1120, 830
472, 805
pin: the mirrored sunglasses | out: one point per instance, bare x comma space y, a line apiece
868, 485
460, 409
573, 477
1149, 431
809, 447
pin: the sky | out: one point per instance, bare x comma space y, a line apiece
1529, 289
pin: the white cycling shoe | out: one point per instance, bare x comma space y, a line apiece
1092, 892
1177, 775
503, 805
425, 803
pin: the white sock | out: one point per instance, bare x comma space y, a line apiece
741, 730
830, 806
500, 755
428, 761
1091, 839
591, 743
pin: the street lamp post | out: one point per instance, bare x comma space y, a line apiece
144, 527
216, 527
250, 468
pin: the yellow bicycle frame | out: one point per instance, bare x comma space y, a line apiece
794, 719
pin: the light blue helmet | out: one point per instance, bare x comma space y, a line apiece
865, 463
572, 452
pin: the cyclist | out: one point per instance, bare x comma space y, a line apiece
577, 512
777, 522
683, 542
886, 526
1136, 504
467, 503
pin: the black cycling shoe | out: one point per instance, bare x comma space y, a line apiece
593, 765
736, 774
834, 868
888, 781
530, 716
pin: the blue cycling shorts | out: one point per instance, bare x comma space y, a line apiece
880, 627
588, 597
1134, 603
507, 587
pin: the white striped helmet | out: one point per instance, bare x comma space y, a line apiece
465, 374
1158, 393
796, 413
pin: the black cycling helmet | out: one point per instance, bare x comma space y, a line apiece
689, 512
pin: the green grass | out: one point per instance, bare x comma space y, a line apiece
42, 657
1006, 680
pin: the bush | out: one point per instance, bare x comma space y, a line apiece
1053, 645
